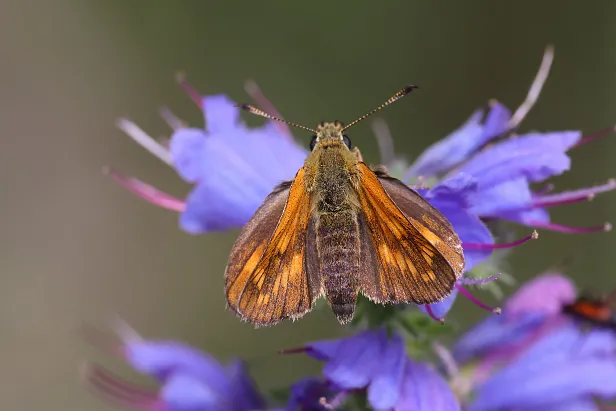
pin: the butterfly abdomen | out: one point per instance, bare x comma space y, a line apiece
338, 250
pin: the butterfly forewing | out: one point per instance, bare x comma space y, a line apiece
267, 278
409, 257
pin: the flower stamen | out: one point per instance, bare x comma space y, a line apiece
173, 121
384, 140
476, 301
118, 390
478, 281
568, 229
535, 88
254, 91
147, 192
192, 92
478, 246
433, 316
585, 194
595, 136
145, 141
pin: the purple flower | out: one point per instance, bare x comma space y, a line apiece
457, 147
550, 361
376, 362
565, 366
233, 166
190, 380
503, 171
524, 313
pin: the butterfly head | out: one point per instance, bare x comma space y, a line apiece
330, 134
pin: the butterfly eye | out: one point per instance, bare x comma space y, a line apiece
347, 141
313, 142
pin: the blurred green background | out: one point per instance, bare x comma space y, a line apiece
78, 248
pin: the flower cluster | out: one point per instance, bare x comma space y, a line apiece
536, 347
483, 173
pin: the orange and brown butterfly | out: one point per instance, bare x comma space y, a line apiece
339, 229
597, 312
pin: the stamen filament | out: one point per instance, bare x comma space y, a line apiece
117, 390
254, 91
478, 281
568, 229
147, 192
479, 246
145, 141
535, 88
192, 92
570, 197
595, 136
173, 121
384, 141
475, 300
433, 316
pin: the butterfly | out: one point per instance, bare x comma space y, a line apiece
339, 228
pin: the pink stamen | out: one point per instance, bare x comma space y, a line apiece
475, 300
173, 121
478, 281
119, 391
433, 316
335, 402
594, 136
254, 91
192, 92
297, 350
576, 196
569, 230
479, 246
147, 192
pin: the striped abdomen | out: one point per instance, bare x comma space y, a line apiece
338, 248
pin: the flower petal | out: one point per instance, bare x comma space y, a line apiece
581, 404
384, 390
234, 167
425, 390
243, 391
451, 197
496, 332
545, 294
184, 392
221, 114
160, 359
459, 145
220, 204
441, 309
507, 196
188, 150
550, 372
355, 362
535, 156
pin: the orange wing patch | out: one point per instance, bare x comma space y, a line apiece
272, 283
412, 262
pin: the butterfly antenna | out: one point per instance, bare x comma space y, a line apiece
406, 90
259, 112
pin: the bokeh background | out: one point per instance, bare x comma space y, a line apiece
77, 248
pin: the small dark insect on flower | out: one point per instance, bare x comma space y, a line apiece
597, 312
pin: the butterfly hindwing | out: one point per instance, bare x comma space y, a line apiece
410, 253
